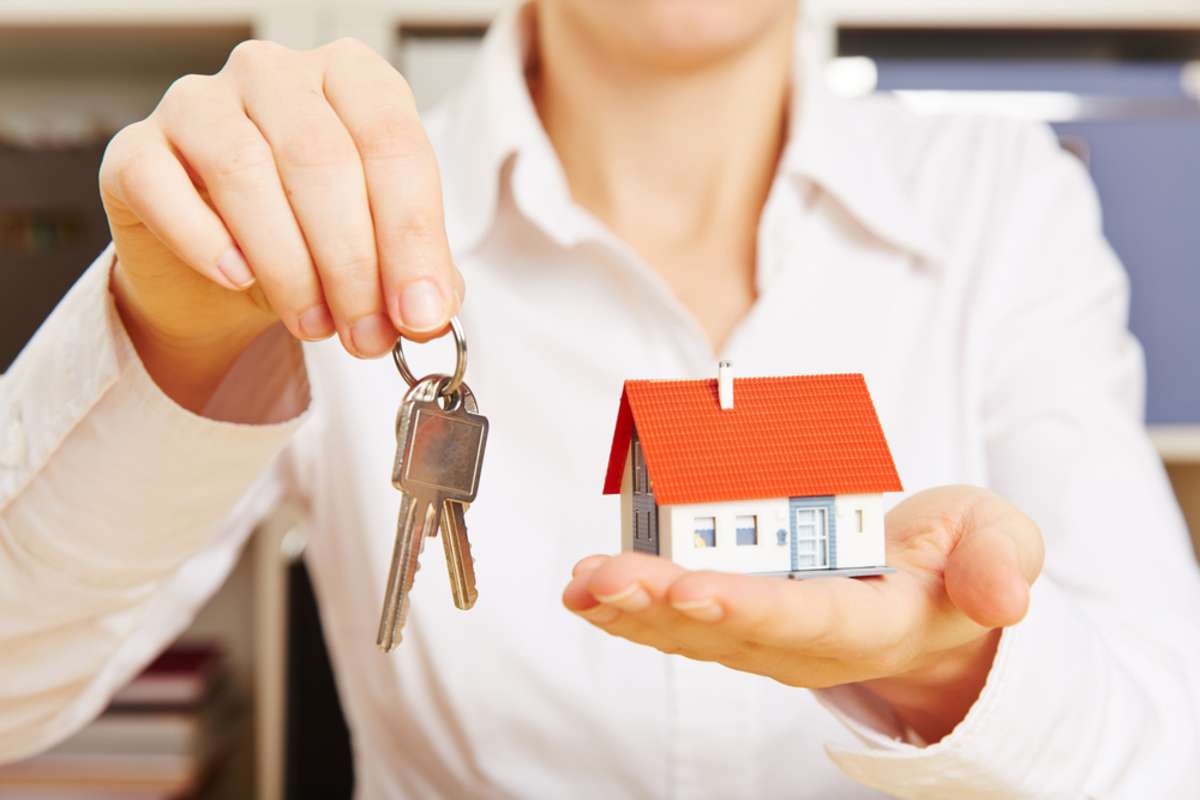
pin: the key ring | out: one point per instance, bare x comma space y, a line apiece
452, 383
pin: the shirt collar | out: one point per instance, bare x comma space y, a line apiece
842, 146
835, 143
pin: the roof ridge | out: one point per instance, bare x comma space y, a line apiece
748, 378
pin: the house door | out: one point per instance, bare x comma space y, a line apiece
810, 544
645, 526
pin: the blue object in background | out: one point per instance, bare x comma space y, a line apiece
1146, 166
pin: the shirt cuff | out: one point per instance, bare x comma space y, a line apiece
81, 408
1036, 712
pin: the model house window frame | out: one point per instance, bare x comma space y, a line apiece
741, 530
698, 540
858, 519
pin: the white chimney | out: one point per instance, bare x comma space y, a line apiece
725, 384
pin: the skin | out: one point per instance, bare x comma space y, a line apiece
922, 639
298, 188
291, 187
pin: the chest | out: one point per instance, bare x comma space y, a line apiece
549, 347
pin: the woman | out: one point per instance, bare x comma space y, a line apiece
628, 190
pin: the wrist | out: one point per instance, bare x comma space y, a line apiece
186, 367
936, 696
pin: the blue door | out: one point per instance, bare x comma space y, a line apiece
813, 533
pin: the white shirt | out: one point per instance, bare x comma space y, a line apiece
958, 263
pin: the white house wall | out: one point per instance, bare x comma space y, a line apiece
855, 549
676, 536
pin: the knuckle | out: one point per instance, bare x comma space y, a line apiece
350, 46
252, 53
392, 133
419, 223
132, 174
355, 268
186, 90
310, 146
237, 155
117, 151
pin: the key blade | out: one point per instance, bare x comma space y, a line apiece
409, 542
459, 563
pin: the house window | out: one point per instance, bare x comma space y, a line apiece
781, 537
705, 532
858, 519
747, 529
639, 468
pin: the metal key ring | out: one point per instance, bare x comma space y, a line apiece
460, 363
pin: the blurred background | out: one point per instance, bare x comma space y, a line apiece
244, 705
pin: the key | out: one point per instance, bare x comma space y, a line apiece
409, 529
459, 564
439, 456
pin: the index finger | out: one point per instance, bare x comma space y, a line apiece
829, 616
421, 285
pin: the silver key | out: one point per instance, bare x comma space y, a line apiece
439, 455
459, 564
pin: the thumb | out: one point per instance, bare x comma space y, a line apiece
996, 559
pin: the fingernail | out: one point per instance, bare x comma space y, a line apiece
601, 614
703, 610
316, 323
235, 269
422, 307
631, 598
372, 335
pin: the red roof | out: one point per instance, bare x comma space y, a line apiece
797, 436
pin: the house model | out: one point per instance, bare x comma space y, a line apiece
780, 476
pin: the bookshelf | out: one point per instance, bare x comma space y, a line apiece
1033, 14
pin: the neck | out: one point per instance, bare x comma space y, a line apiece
697, 145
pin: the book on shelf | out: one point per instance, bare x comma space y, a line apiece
159, 738
182, 675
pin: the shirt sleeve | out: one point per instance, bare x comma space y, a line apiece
1096, 692
120, 512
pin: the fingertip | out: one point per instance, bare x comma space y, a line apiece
370, 336
588, 564
985, 581
234, 271
1003, 608
315, 323
421, 307
617, 573
576, 597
